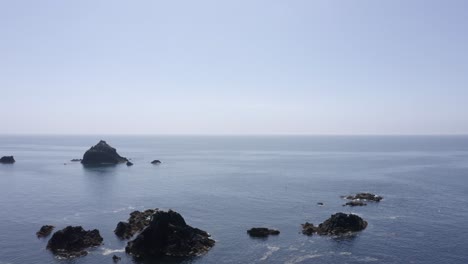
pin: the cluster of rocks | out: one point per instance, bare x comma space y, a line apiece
337, 224
7, 160
360, 199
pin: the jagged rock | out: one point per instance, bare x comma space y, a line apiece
169, 235
129, 163
137, 222
72, 241
262, 232
365, 196
116, 258
355, 203
155, 162
76, 160
102, 154
44, 231
337, 224
7, 160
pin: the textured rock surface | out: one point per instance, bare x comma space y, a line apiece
137, 222
169, 235
365, 196
337, 224
72, 241
102, 154
45, 231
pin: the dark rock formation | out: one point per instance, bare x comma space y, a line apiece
155, 162
355, 203
44, 231
337, 224
365, 196
129, 163
102, 154
75, 160
72, 241
320, 204
137, 222
7, 160
169, 235
262, 232
116, 258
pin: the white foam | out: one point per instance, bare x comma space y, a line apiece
346, 253
302, 258
108, 251
270, 252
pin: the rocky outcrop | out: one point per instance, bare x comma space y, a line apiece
156, 162
355, 203
7, 160
137, 222
72, 241
337, 224
45, 231
76, 160
365, 196
102, 154
115, 258
262, 232
169, 235
129, 163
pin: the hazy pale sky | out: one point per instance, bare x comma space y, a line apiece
234, 67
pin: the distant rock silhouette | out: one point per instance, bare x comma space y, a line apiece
137, 222
72, 241
169, 235
155, 162
44, 231
365, 196
102, 154
262, 232
7, 160
337, 224
75, 160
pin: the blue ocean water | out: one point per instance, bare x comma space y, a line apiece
226, 185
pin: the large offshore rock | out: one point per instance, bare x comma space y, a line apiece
337, 224
102, 154
72, 241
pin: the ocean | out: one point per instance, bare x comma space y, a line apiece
228, 184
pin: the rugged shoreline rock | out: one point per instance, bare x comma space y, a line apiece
136, 222
337, 224
102, 154
7, 160
72, 241
45, 231
365, 196
169, 235
262, 232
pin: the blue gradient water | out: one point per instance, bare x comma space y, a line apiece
226, 185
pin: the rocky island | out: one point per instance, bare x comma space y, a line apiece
102, 154
262, 232
337, 224
73, 241
7, 160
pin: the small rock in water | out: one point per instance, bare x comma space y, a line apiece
365, 196
337, 224
155, 162
44, 231
116, 258
320, 204
262, 232
355, 203
129, 163
72, 241
75, 160
7, 160
102, 154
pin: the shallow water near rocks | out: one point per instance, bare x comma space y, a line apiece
226, 185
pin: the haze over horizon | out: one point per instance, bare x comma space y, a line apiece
234, 67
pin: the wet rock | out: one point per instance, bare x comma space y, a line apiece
129, 163
102, 154
116, 258
365, 196
7, 160
72, 241
337, 224
355, 203
76, 160
155, 162
262, 232
45, 231
137, 222
320, 204
169, 235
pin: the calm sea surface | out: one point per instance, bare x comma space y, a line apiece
226, 185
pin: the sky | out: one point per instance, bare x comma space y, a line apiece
234, 67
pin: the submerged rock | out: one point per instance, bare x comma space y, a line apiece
75, 160
155, 162
102, 154
337, 224
169, 235
262, 232
365, 196
355, 203
44, 231
7, 160
137, 222
129, 163
72, 241
116, 258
